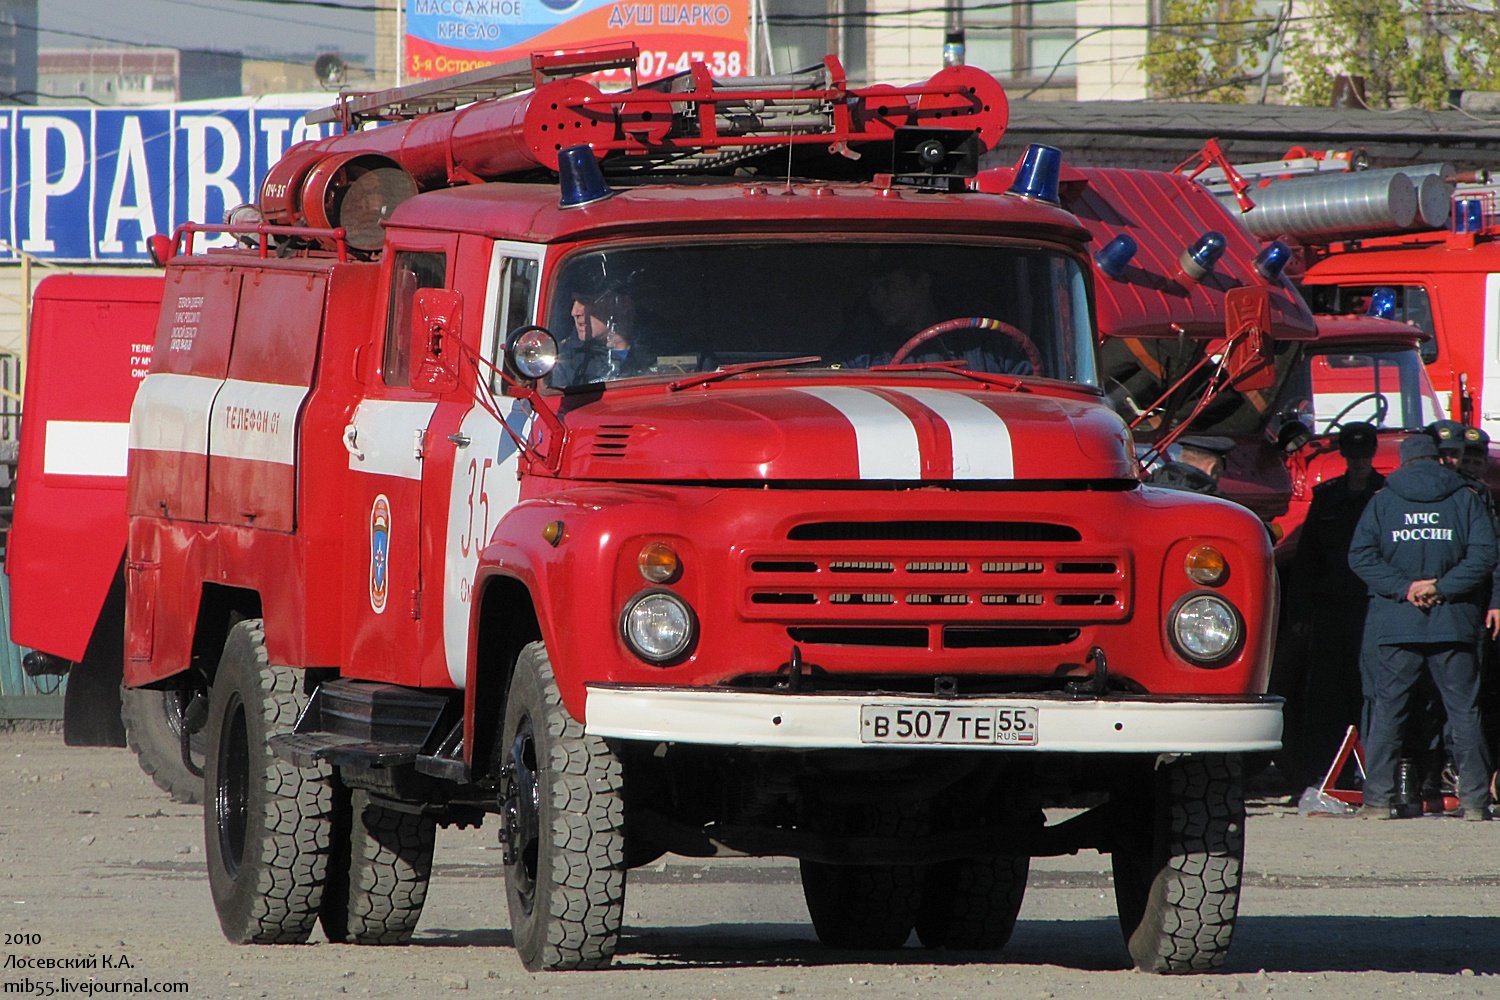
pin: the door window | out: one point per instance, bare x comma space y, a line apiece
410, 271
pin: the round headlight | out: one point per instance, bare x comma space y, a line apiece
533, 352
1205, 628
658, 626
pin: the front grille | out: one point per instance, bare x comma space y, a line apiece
931, 584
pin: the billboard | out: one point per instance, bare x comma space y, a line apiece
90, 185
452, 36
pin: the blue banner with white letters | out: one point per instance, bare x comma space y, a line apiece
90, 185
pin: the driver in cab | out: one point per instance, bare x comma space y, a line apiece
910, 328
602, 344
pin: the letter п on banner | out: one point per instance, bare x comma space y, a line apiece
51, 199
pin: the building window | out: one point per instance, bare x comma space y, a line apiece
1022, 43
799, 33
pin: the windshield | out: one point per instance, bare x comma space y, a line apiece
655, 310
1388, 388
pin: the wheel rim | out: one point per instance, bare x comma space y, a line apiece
524, 813
232, 787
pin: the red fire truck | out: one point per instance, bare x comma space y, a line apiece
1178, 281
1420, 242
699, 467
1359, 368
67, 542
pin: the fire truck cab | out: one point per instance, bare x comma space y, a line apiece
698, 467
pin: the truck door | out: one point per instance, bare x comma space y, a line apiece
476, 479
386, 440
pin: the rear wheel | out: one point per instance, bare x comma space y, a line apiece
1177, 862
867, 907
154, 730
972, 904
564, 814
267, 824
378, 879
862, 907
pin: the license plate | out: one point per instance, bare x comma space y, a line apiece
1005, 725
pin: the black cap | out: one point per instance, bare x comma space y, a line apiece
1418, 446
1357, 439
1207, 442
1449, 434
1475, 439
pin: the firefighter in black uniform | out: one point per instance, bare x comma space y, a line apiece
1326, 612
1425, 547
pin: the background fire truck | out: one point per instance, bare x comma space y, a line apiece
770, 579
1423, 237
67, 543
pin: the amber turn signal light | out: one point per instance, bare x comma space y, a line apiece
1206, 565
659, 563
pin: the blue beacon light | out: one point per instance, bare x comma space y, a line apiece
1272, 260
1468, 215
1198, 260
579, 177
1116, 255
1382, 304
1038, 172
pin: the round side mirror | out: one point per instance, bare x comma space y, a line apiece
1292, 437
532, 351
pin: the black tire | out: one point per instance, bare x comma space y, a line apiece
377, 881
267, 825
972, 905
1177, 864
564, 814
153, 729
867, 907
862, 907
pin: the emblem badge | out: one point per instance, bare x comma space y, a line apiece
380, 552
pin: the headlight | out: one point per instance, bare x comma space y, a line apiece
658, 626
1205, 628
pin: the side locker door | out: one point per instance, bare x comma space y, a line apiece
169, 447
252, 467
386, 441
477, 481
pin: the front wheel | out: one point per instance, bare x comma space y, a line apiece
1177, 863
562, 795
267, 824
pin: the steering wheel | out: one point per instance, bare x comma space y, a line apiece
1382, 407
1025, 343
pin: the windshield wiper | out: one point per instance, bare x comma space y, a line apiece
1011, 382
730, 371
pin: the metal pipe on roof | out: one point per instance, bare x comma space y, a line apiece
1351, 204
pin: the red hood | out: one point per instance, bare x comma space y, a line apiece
811, 432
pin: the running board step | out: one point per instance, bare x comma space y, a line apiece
365, 724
